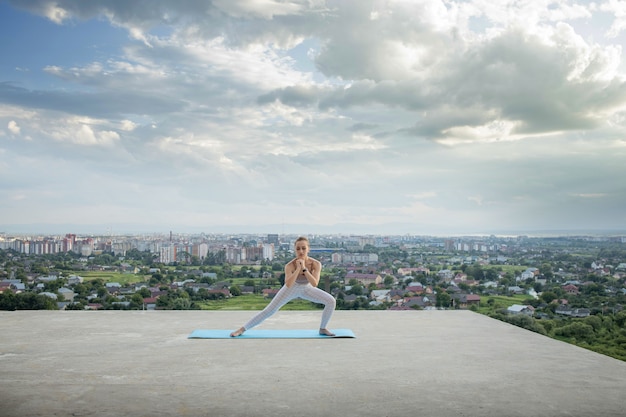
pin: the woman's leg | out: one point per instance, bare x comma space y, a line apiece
282, 297
319, 296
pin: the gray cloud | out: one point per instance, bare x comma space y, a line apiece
447, 117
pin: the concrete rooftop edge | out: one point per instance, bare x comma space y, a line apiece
431, 363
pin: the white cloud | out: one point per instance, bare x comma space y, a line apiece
265, 9
55, 13
444, 115
618, 9
13, 127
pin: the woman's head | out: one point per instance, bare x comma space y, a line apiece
301, 246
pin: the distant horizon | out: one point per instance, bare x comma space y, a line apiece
389, 229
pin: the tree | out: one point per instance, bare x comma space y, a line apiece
548, 296
136, 301
235, 290
546, 270
443, 299
491, 274
182, 304
26, 301
144, 292
357, 289
577, 329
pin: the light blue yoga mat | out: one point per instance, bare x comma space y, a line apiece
270, 334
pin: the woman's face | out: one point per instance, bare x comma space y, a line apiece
302, 248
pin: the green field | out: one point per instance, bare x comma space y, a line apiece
253, 302
508, 268
500, 301
109, 276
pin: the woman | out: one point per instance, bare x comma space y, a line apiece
302, 275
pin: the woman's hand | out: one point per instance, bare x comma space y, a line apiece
292, 274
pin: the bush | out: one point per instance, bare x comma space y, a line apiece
578, 330
26, 301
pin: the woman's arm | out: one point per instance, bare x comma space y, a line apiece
292, 270
313, 274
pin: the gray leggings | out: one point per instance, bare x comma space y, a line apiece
286, 294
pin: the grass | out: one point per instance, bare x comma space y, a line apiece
508, 268
500, 301
109, 276
253, 302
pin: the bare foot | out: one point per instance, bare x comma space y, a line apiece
238, 332
325, 332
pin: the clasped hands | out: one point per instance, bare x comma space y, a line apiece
300, 264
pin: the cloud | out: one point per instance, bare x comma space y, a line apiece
13, 127
444, 115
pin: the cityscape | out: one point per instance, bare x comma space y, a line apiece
572, 288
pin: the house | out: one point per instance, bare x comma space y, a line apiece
224, 291
17, 286
415, 289
445, 275
270, 292
350, 297
247, 289
396, 292
410, 271
48, 278
74, 279
128, 268
521, 309
460, 277
380, 295
150, 303
122, 305
181, 284
50, 295
529, 273
5, 286
572, 312
516, 290
413, 302
465, 300
68, 295
400, 307
197, 286
570, 289
363, 279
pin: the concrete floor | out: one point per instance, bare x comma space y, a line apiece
402, 363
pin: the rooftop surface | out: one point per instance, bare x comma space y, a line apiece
402, 363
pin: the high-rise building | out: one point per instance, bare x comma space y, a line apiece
273, 238
268, 251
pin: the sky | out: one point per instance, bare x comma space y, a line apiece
423, 117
